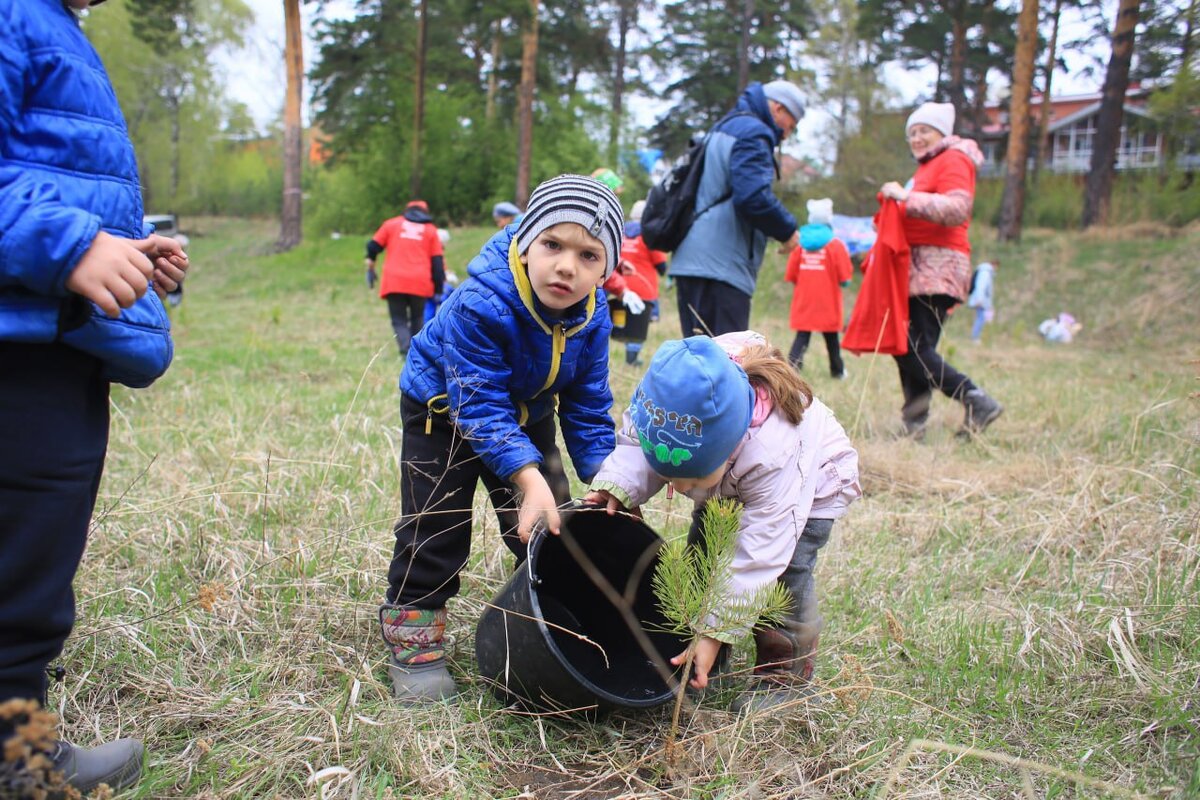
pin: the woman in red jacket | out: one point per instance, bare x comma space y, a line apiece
936, 206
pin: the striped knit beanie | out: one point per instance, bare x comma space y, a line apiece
578, 199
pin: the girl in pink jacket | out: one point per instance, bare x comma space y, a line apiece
729, 417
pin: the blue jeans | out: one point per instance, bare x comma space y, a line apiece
980, 321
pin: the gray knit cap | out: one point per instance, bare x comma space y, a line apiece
579, 199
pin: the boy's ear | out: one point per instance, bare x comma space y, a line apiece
524, 258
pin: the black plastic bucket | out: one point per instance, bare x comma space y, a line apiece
554, 639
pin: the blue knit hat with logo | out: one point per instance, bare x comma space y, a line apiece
691, 408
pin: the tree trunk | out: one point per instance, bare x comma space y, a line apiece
624, 22
493, 81
1098, 190
1012, 204
958, 59
744, 48
1043, 132
414, 177
289, 228
529, 48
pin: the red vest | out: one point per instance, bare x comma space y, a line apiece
818, 275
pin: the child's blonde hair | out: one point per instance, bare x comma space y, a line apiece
765, 366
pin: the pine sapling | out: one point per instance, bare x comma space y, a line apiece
692, 585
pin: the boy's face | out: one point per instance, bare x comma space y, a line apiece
565, 265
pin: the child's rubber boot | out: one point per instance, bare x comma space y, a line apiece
981, 410
417, 665
117, 763
783, 667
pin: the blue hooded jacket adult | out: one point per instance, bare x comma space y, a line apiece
495, 360
67, 172
729, 238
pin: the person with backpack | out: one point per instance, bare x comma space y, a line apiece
716, 265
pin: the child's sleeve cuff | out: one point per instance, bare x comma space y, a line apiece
613, 489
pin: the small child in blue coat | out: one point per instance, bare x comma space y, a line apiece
524, 336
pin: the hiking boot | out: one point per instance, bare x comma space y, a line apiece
981, 411
417, 665
768, 693
785, 658
117, 763
915, 415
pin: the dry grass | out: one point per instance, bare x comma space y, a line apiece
1027, 602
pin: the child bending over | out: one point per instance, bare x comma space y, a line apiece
729, 417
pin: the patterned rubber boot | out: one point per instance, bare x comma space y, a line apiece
418, 662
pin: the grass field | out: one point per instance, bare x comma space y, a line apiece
1013, 617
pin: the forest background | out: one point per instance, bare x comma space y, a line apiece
412, 98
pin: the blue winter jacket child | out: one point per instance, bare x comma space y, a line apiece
496, 361
67, 171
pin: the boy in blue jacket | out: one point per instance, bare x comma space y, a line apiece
524, 335
75, 264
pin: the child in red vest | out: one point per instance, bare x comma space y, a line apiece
640, 268
820, 267
414, 270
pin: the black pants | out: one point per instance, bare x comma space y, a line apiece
921, 368
710, 307
408, 315
438, 475
53, 438
800, 347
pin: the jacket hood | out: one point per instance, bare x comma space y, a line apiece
754, 102
633, 230
814, 237
967, 147
498, 267
415, 214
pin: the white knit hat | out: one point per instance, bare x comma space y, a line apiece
820, 212
638, 209
939, 116
575, 198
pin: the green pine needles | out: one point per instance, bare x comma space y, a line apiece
692, 585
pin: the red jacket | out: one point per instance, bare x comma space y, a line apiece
948, 171
639, 265
879, 321
410, 246
818, 275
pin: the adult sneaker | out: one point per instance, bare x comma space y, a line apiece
117, 763
981, 411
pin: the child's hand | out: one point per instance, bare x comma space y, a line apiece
707, 650
113, 273
170, 262
600, 497
537, 503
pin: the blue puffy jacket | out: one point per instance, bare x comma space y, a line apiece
728, 240
495, 361
67, 171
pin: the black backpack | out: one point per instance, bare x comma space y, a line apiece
671, 204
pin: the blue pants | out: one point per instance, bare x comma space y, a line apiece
980, 321
53, 438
